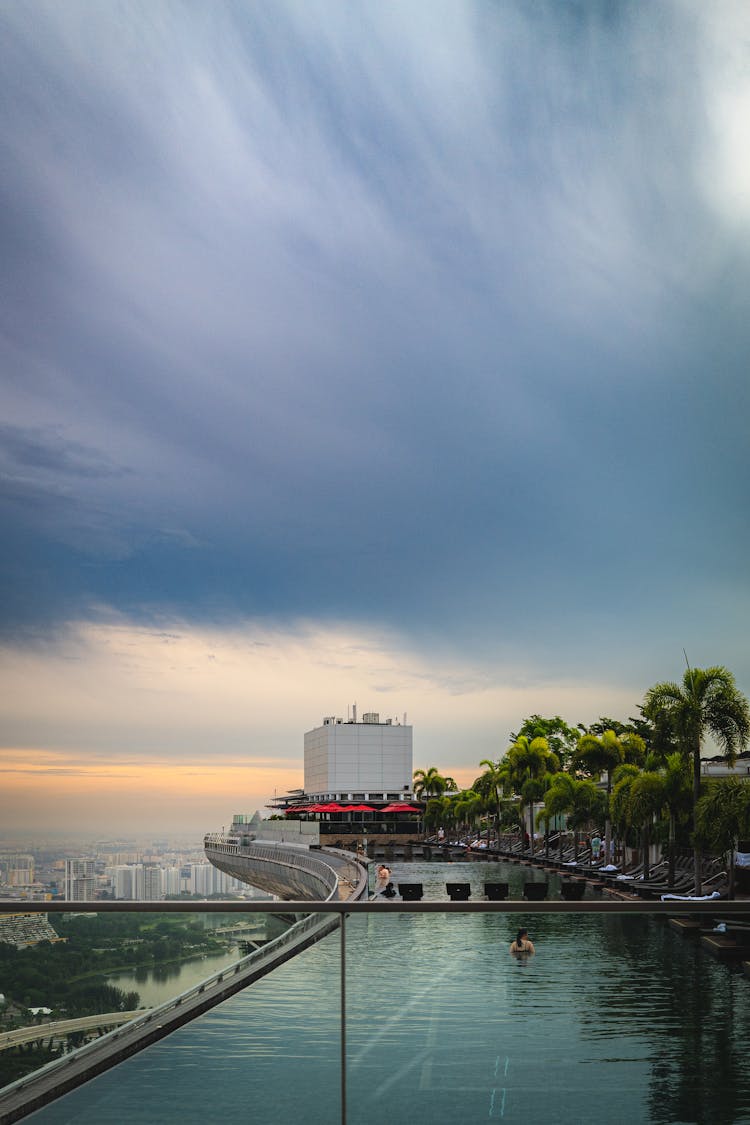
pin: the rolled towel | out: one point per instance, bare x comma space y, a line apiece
690, 898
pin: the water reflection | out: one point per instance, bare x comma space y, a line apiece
613, 1020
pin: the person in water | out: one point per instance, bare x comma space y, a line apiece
522, 944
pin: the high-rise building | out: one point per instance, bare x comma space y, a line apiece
16, 870
80, 879
123, 881
152, 882
172, 881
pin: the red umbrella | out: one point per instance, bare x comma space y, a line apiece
332, 807
296, 808
400, 808
358, 808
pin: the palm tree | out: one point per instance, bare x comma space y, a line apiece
431, 783
440, 811
676, 800
490, 786
623, 780
469, 807
723, 816
647, 798
598, 754
588, 808
708, 702
559, 799
523, 769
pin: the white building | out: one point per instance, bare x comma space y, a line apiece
359, 761
152, 882
80, 879
172, 881
137, 882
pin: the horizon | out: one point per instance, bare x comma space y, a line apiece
394, 355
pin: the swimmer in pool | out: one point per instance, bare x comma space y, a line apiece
522, 944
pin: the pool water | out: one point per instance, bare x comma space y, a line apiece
615, 1019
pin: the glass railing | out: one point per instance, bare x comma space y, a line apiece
357, 1012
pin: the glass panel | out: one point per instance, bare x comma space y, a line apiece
613, 1019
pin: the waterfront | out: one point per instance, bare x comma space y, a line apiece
615, 1019
160, 984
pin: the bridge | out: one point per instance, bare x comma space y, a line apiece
56, 1029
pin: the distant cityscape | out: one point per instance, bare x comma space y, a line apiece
131, 870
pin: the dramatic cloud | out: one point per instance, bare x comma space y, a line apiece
422, 318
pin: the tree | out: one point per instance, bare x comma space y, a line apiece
598, 754
469, 807
723, 817
623, 779
561, 738
708, 702
431, 783
559, 799
647, 798
490, 786
524, 768
676, 800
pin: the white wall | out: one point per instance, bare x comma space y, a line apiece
362, 757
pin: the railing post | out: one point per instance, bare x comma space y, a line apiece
342, 927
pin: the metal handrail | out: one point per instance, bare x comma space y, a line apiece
739, 907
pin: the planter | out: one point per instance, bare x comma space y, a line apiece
572, 891
495, 892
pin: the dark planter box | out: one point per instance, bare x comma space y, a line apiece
572, 891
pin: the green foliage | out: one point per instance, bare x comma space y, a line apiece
723, 813
707, 702
70, 976
561, 738
431, 783
525, 770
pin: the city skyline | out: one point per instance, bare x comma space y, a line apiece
382, 355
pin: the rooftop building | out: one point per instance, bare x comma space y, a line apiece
358, 760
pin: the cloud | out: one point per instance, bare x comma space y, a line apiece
126, 698
418, 318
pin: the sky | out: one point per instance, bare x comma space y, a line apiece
360, 352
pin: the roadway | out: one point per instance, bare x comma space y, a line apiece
56, 1029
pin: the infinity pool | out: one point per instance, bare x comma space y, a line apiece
616, 1019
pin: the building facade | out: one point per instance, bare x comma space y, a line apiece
358, 760
80, 879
